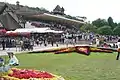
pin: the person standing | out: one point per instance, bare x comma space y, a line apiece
97, 42
3, 44
118, 44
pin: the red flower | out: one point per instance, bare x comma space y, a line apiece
26, 74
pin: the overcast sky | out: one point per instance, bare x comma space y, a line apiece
92, 9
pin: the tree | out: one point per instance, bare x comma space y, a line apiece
99, 22
111, 23
116, 30
38, 9
105, 30
43, 9
118, 24
88, 28
115, 24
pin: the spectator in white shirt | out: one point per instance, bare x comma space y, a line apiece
97, 42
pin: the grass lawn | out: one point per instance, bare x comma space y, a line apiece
73, 66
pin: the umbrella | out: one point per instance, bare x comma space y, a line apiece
2, 31
11, 33
27, 34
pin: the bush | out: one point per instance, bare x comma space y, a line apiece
105, 30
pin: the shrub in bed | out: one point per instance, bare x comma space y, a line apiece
95, 49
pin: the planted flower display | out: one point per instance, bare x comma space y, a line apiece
95, 49
83, 50
65, 50
86, 50
28, 74
8, 73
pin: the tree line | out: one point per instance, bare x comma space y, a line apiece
102, 26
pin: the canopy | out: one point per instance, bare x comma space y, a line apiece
2, 31
53, 31
37, 30
13, 33
31, 30
55, 18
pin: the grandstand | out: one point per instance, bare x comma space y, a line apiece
16, 16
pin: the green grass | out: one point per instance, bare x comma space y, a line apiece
73, 66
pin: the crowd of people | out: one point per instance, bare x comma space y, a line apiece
69, 36
20, 44
24, 43
54, 26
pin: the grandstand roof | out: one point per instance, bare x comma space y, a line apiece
55, 18
9, 17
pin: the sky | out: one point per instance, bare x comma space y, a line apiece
92, 9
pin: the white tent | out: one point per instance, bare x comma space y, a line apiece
31, 30
53, 31
37, 30
10, 32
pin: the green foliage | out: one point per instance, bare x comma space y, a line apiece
100, 22
72, 17
38, 9
115, 24
3, 73
106, 27
118, 24
105, 30
111, 23
116, 30
88, 28
73, 66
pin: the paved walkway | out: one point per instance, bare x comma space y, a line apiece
38, 48
35, 48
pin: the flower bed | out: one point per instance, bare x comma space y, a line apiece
48, 50
65, 50
83, 50
86, 50
95, 49
28, 74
